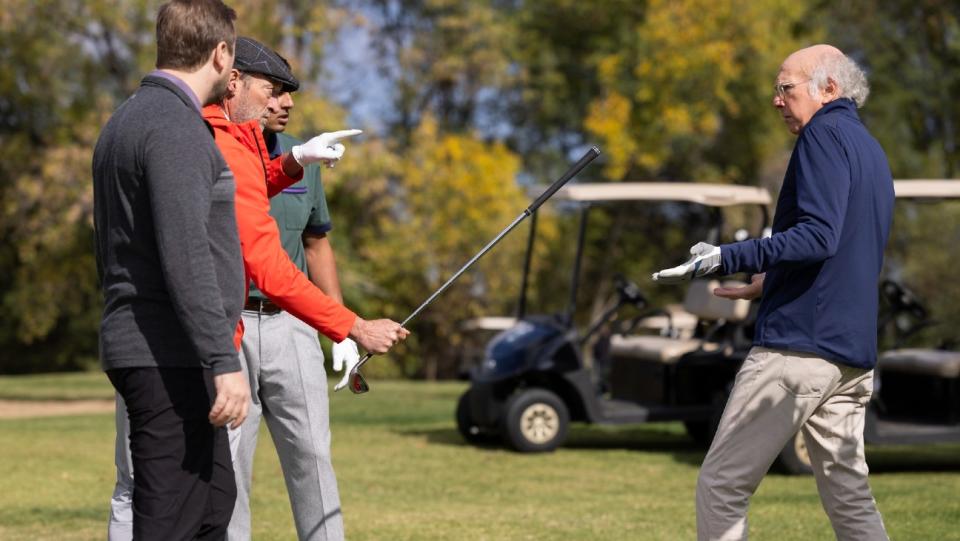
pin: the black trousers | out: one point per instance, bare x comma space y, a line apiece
183, 483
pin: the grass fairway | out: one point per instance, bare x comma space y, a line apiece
405, 474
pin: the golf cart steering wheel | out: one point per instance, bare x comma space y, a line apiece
902, 300
629, 291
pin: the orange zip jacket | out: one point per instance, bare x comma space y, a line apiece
264, 259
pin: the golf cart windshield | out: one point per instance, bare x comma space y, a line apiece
920, 260
628, 228
632, 227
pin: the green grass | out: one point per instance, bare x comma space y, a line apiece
405, 474
71, 386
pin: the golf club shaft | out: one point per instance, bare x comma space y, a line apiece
572, 172
453, 278
470, 263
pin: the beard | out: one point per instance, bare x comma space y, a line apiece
245, 110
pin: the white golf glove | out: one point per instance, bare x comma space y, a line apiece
705, 259
345, 357
322, 148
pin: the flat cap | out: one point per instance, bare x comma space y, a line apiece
255, 57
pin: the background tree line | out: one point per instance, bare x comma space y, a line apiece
482, 99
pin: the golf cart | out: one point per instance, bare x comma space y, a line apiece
916, 397
671, 364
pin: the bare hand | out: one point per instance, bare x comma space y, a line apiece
748, 292
379, 335
233, 399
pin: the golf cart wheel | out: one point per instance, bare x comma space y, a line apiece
699, 432
536, 421
470, 430
794, 459
703, 431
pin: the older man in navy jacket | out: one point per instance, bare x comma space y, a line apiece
815, 343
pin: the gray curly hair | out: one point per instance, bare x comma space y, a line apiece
847, 75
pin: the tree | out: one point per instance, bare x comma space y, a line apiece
65, 61
670, 90
489, 97
693, 82
436, 207
67, 65
447, 58
912, 53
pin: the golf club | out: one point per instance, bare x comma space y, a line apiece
358, 384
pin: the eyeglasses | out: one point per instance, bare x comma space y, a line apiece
781, 89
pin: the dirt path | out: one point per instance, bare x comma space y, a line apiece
11, 409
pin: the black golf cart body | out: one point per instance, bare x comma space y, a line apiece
532, 381
675, 364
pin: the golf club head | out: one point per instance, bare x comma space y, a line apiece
358, 385
354, 379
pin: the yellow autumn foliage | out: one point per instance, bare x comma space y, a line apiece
448, 196
692, 60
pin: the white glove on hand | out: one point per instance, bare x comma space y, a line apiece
705, 259
345, 356
322, 148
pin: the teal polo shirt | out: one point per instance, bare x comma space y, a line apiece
300, 208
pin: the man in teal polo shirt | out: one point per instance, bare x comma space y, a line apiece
285, 362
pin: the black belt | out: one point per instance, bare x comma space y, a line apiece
263, 306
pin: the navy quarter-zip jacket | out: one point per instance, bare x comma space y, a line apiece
824, 258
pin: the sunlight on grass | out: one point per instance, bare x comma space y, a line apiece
71, 386
405, 474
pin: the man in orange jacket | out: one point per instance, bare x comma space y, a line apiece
241, 142
288, 384
281, 354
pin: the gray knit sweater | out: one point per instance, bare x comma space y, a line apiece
168, 254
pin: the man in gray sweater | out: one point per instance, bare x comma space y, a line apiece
168, 257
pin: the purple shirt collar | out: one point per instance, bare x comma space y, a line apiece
180, 84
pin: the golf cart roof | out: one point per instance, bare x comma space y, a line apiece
927, 189
714, 195
489, 323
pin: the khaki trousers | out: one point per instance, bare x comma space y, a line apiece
777, 393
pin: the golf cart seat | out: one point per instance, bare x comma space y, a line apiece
674, 322
699, 301
930, 362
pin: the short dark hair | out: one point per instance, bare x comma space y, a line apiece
189, 30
